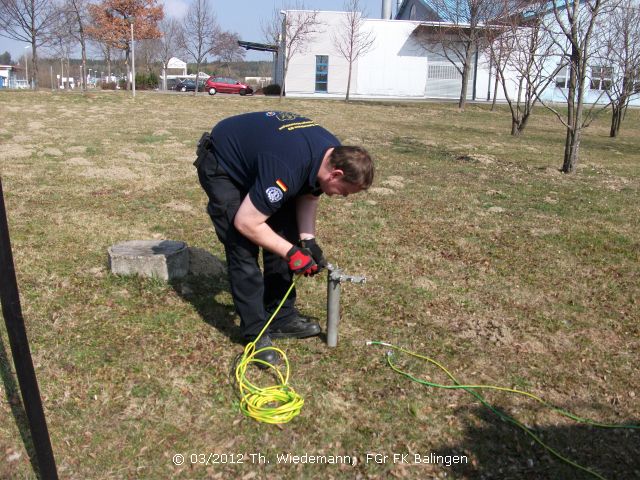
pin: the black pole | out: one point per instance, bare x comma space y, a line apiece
14, 321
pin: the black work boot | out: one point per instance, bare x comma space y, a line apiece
269, 356
296, 326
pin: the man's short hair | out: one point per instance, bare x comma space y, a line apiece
355, 162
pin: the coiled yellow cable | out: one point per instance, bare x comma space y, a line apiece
275, 404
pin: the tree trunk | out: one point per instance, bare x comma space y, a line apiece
495, 92
128, 64
618, 114
615, 121
84, 65
284, 75
571, 150
574, 114
346, 99
34, 67
523, 123
463, 91
83, 47
465, 78
515, 127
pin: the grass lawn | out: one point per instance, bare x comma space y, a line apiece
477, 251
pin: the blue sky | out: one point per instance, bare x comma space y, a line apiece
242, 17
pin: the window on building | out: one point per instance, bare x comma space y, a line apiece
562, 77
443, 72
322, 72
601, 78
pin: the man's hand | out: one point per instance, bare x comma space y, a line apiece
316, 252
301, 261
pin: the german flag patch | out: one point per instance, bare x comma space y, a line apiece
282, 186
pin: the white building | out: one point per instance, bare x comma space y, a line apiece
9, 77
398, 66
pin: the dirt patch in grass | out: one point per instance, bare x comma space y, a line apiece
77, 149
78, 162
137, 156
35, 126
11, 151
381, 191
113, 173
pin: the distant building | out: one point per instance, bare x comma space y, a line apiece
9, 77
68, 83
403, 63
177, 67
176, 71
416, 10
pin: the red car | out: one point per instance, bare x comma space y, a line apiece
226, 85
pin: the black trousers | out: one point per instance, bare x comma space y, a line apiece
255, 295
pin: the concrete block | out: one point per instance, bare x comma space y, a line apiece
165, 259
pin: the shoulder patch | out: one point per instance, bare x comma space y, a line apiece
274, 194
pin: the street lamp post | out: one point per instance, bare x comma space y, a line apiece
133, 58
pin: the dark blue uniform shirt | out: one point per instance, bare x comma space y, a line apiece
274, 156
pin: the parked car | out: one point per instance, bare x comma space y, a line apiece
189, 85
226, 85
185, 86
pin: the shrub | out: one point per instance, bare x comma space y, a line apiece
146, 81
108, 85
273, 89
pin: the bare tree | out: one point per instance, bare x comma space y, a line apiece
619, 58
293, 31
198, 33
573, 29
105, 50
61, 43
28, 21
148, 53
520, 45
74, 17
352, 41
226, 49
171, 31
460, 34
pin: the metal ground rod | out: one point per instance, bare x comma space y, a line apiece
334, 278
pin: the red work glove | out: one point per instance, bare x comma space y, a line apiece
316, 252
301, 261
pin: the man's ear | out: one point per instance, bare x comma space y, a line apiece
336, 174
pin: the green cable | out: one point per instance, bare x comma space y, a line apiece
472, 390
275, 404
